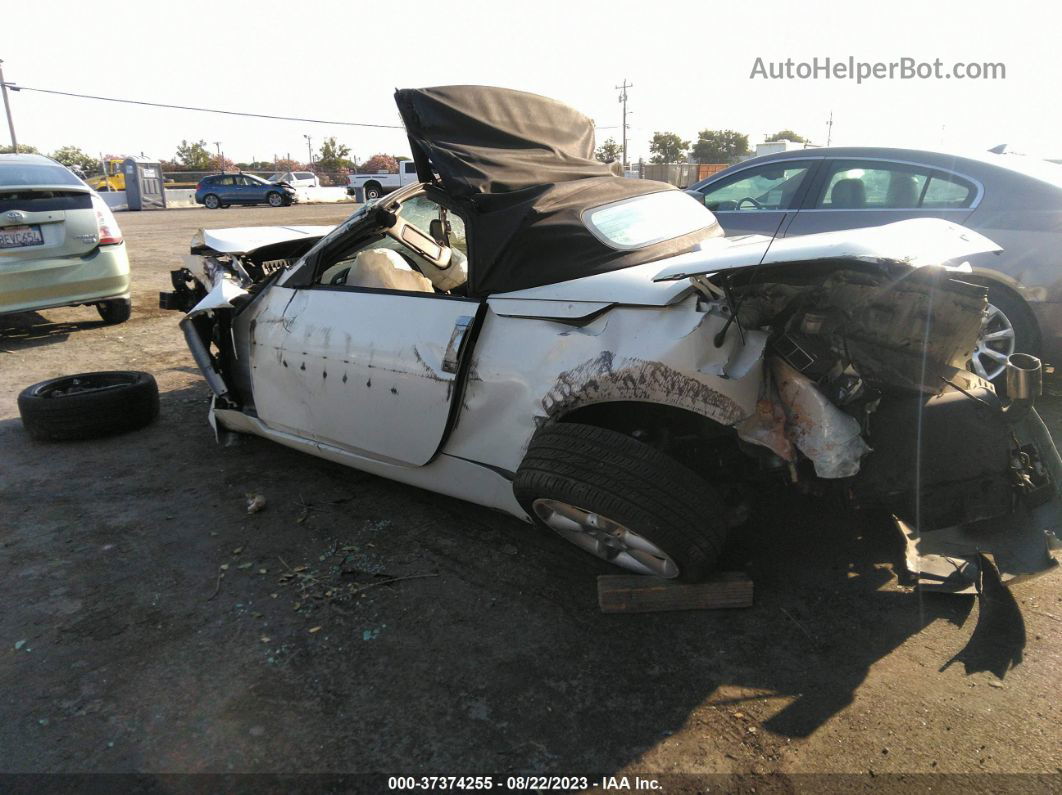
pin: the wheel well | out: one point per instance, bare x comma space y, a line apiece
371, 184
697, 442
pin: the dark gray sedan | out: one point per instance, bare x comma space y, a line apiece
1014, 200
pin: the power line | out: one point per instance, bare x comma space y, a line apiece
15, 87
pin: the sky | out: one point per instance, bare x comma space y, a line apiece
690, 64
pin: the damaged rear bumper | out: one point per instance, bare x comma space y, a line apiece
1020, 543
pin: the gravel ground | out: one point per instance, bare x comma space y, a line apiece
154, 626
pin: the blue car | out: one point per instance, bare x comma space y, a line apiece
221, 190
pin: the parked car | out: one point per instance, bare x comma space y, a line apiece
525, 329
222, 190
297, 179
60, 244
1013, 200
376, 185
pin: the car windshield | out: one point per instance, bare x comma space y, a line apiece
258, 180
277, 177
35, 174
644, 220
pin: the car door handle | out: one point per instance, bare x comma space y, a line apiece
452, 357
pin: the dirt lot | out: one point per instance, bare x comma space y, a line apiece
125, 649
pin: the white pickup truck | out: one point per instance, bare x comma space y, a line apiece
376, 185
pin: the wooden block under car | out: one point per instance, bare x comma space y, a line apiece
636, 593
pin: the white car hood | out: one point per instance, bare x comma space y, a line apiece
917, 242
245, 239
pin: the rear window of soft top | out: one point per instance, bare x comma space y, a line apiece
14, 174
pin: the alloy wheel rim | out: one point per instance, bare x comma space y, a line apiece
995, 343
605, 538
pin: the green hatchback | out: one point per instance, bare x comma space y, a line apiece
59, 242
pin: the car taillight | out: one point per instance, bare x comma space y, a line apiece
106, 226
199, 186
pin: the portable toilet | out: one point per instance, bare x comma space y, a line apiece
144, 188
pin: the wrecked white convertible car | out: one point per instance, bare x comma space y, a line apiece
528, 331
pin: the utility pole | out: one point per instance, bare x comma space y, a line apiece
309, 150
829, 129
218, 145
7, 108
623, 98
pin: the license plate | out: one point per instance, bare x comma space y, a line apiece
19, 236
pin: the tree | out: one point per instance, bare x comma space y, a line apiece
24, 149
72, 157
609, 151
286, 164
333, 156
720, 146
786, 135
378, 164
667, 147
195, 156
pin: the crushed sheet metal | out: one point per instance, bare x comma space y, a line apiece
224, 291
624, 354
820, 430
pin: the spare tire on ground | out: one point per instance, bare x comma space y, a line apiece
89, 405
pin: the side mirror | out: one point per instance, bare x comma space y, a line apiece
438, 231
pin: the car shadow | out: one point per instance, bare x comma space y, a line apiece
31, 330
492, 656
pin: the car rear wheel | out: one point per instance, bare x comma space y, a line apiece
211, 202
89, 405
1007, 327
275, 199
373, 191
622, 501
116, 311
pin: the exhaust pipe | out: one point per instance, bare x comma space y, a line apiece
1024, 384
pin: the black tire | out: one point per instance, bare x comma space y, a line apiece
275, 198
373, 191
115, 311
88, 405
211, 201
1019, 317
629, 483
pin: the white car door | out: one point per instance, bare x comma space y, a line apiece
372, 371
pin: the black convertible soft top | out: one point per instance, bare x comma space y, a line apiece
520, 167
